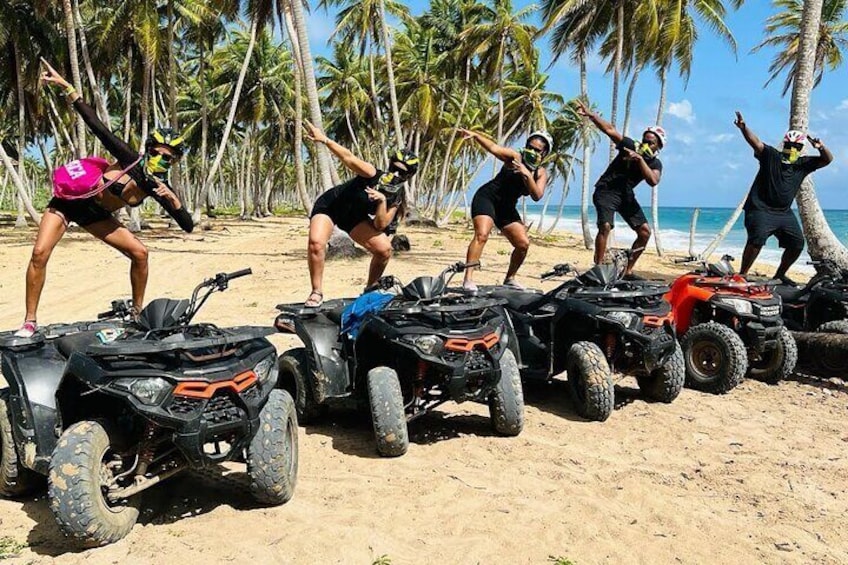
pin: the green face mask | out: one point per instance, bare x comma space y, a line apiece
791, 156
645, 151
531, 158
157, 165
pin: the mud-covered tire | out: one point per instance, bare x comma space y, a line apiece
834, 327
665, 383
590, 381
715, 357
15, 479
293, 367
506, 402
387, 414
74, 488
272, 456
777, 364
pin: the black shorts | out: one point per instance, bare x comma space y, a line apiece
83, 212
762, 224
608, 202
328, 204
503, 213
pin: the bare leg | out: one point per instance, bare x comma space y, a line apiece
749, 255
320, 230
601, 242
377, 244
114, 234
643, 235
790, 255
50, 231
516, 233
483, 226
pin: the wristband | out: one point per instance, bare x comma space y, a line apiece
69, 90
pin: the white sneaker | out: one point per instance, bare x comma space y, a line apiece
514, 284
27, 330
469, 286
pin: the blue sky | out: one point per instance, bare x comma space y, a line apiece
707, 163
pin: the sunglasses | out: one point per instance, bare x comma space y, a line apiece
797, 146
167, 157
401, 173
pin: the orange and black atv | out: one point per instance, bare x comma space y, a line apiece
730, 327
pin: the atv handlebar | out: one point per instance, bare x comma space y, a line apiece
120, 309
558, 271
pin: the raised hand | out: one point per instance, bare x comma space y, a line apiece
583, 110
51, 76
816, 142
313, 133
740, 121
374, 194
166, 193
466, 133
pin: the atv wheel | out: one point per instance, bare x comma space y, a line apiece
665, 383
590, 381
834, 327
79, 472
716, 360
15, 479
506, 402
293, 366
387, 413
776, 364
272, 455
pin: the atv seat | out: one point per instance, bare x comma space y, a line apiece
522, 300
335, 314
76, 342
790, 293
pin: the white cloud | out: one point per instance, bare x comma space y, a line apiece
721, 138
685, 139
843, 105
682, 111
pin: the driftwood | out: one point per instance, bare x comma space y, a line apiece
401, 243
341, 246
822, 354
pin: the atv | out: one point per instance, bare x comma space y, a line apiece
108, 409
730, 326
591, 325
821, 305
402, 351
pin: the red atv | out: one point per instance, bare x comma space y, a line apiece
730, 327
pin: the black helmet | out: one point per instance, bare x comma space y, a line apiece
166, 136
405, 157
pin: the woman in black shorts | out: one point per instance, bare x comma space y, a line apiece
495, 203
130, 179
364, 207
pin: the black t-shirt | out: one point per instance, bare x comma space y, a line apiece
353, 201
777, 183
507, 186
623, 175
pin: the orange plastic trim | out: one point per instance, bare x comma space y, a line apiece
465, 345
200, 389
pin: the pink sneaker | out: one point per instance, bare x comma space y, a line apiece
28, 329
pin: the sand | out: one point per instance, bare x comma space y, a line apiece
758, 475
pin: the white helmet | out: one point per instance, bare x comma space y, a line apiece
795, 136
544, 135
658, 131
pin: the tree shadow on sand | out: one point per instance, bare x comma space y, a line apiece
189, 494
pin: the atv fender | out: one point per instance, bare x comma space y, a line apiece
327, 371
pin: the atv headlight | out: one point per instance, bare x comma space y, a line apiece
738, 304
264, 369
626, 319
427, 344
503, 336
149, 391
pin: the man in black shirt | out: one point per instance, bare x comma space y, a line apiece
768, 210
634, 163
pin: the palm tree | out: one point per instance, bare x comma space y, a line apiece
821, 241
783, 31
344, 83
500, 37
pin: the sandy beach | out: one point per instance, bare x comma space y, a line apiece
756, 476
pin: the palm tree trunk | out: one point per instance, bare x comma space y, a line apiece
128, 93
300, 172
655, 205
173, 118
144, 111
692, 227
710, 249
821, 242
587, 157
616, 72
70, 32
99, 99
390, 72
233, 107
311, 90
20, 222
565, 189
19, 185
628, 104
663, 94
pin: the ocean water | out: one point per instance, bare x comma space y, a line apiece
674, 230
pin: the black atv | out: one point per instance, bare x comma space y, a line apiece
108, 409
821, 305
422, 347
592, 324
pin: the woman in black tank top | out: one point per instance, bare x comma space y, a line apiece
495, 203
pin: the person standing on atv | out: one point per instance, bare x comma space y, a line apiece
125, 182
495, 203
768, 210
364, 207
614, 190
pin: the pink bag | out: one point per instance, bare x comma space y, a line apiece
81, 178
